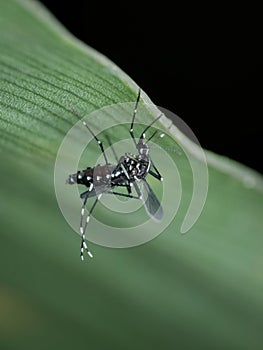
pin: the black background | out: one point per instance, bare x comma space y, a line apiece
201, 63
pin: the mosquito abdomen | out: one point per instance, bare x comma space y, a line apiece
83, 177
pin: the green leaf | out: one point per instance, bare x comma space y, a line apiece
198, 290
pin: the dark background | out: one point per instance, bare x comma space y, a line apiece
200, 63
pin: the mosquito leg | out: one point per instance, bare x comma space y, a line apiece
112, 148
153, 134
133, 117
148, 127
99, 142
128, 187
83, 229
155, 174
122, 194
84, 194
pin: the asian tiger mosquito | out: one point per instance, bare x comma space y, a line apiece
129, 170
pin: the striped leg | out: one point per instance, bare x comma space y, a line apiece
133, 117
155, 174
99, 142
83, 228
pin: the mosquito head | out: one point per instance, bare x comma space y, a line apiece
143, 148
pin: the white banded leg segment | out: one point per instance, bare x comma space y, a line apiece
83, 230
86, 247
82, 212
134, 115
99, 142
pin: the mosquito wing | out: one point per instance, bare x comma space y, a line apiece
151, 202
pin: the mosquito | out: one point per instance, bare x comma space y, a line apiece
129, 171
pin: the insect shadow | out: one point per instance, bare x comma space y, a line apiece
129, 171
